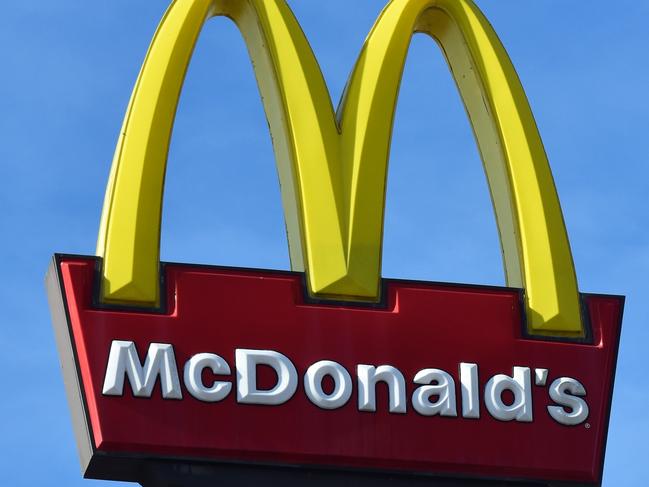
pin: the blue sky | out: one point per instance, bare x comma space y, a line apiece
67, 72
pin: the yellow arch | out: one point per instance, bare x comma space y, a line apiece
333, 166
295, 99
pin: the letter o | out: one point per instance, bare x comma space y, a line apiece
342, 384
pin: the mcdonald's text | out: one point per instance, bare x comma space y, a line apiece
434, 396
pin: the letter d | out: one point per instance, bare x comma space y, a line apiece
247, 391
520, 386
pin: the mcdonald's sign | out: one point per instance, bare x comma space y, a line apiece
180, 374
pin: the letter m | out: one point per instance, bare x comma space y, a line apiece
123, 361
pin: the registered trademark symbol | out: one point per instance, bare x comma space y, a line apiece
587, 426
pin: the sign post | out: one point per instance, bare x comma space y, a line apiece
181, 374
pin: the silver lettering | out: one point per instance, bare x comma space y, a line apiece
194, 382
444, 389
247, 391
565, 391
342, 384
520, 385
368, 376
123, 361
470, 394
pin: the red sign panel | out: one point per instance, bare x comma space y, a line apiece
240, 368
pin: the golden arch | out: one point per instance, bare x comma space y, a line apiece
333, 165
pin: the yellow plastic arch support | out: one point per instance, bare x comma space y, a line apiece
333, 166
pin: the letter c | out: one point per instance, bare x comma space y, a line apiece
194, 382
